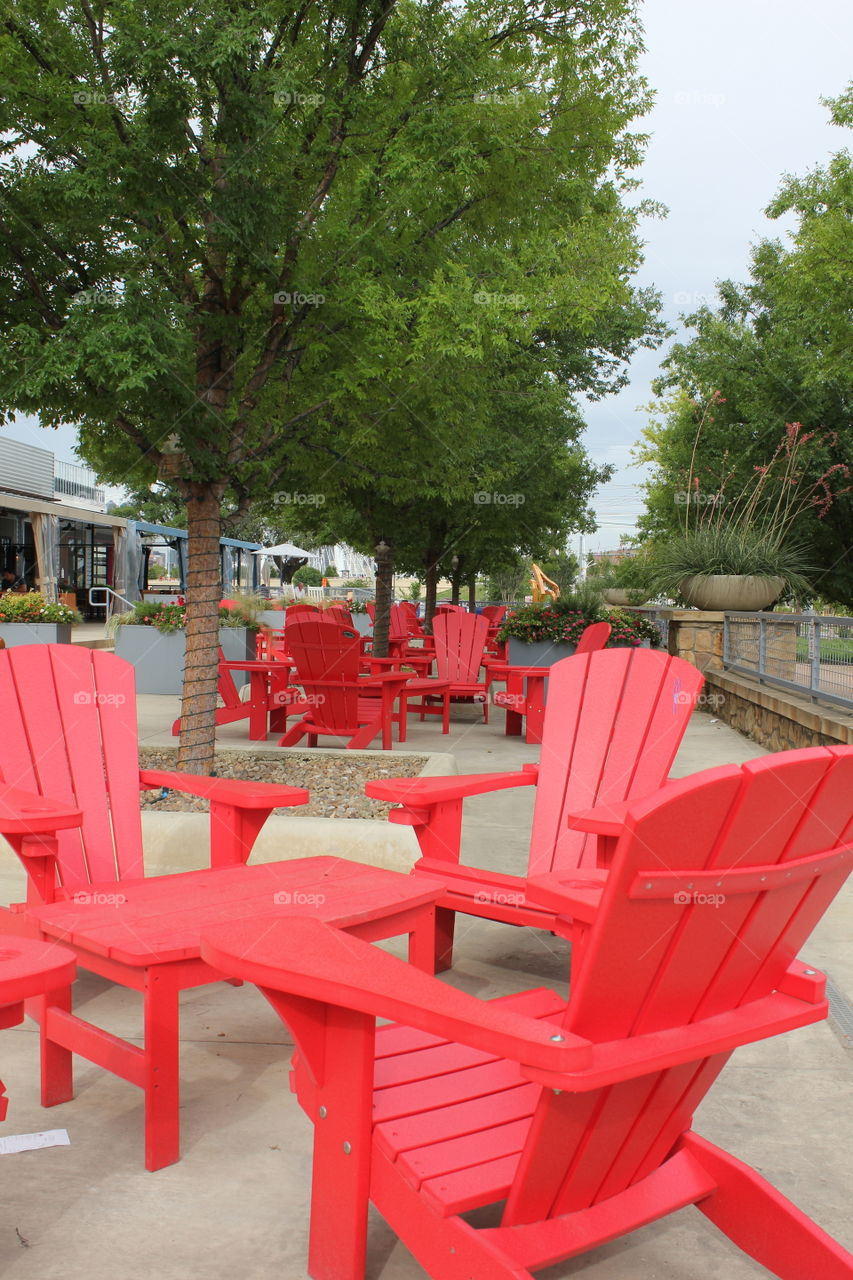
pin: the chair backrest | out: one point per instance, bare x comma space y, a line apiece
460, 639
614, 721
340, 613
410, 611
449, 608
295, 611
593, 637
495, 614
370, 610
328, 657
687, 929
70, 734
399, 628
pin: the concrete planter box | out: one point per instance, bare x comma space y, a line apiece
158, 659
537, 653
272, 618
362, 624
15, 633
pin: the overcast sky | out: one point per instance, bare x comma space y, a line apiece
738, 86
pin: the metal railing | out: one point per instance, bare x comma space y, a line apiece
108, 603
73, 481
805, 652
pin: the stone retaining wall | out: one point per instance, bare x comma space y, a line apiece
776, 718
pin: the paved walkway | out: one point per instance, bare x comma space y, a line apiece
236, 1206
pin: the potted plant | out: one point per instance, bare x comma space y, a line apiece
627, 581
30, 619
152, 638
360, 616
718, 567
631, 630
742, 553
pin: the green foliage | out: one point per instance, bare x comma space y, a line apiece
634, 574
415, 588
32, 607
330, 571
563, 621
171, 617
774, 352
308, 576
732, 549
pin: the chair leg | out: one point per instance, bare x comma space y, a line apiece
432, 950
57, 1081
162, 1070
764, 1223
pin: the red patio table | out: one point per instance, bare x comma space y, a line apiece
423, 689
531, 704
267, 697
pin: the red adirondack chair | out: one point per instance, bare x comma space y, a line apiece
29, 968
577, 1116
613, 724
342, 703
70, 736
280, 699
460, 639
513, 699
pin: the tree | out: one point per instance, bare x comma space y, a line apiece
775, 351
215, 213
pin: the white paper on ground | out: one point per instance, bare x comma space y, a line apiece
31, 1141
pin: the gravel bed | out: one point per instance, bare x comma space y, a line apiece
336, 783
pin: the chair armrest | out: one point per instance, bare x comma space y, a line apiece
422, 793
238, 808
25, 813
569, 893
242, 794
609, 819
305, 957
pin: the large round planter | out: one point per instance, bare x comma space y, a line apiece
158, 659
621, 598
15, 633
719, 591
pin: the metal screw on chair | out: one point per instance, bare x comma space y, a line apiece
323, 1113
347, 1148
810, 972
556, 1038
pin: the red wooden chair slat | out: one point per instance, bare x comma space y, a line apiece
460, 640
614, 721
673, 982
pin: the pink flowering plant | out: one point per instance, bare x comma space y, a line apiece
752, 533
32, 607
564, 621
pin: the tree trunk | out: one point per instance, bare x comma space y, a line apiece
431, 591
455, 582
201, 668
472, 592
384, 598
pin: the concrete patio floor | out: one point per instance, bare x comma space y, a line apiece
236, 1205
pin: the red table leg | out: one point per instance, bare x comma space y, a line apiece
535, 708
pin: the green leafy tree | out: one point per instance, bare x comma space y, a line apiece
775, 351
249, 245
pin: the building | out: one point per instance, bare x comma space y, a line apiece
56, 534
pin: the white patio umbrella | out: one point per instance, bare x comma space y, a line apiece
286, 549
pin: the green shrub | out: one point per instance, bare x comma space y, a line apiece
33, 607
